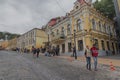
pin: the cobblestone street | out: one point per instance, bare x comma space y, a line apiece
16, 66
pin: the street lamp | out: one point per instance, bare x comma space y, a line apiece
75, 43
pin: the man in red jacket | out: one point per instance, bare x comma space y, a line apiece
94, 55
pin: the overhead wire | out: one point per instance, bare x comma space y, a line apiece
61, 7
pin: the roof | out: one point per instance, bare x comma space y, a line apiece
81, 1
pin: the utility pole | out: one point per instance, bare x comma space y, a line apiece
75, 43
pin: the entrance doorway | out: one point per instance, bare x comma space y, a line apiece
63, 48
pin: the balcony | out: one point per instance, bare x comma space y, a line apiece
100, 34
59, 38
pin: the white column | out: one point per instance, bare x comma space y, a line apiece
66, 46
60, 48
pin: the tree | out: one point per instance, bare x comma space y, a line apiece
106, 7
10, 35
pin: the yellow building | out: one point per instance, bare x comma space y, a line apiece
12, 44
1, 44
35, 37
85, 26
4, 44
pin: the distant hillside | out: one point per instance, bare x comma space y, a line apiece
9, 35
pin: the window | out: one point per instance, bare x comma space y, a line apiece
96, 43
93, 24
63, 48
52, 34
68, 29
100, 26
80, 45
31, 34
103, 46
62, 31
104, 28
113, 47
33, 40
57, 32
114, 32
76, 7
108, 46
109, 31
69, 47
79, 27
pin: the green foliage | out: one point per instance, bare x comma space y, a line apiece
106, 7
10, 35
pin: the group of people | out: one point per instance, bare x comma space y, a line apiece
52, 51
55, 51
48, 51
91, 52
35, 51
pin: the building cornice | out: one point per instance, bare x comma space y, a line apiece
98, 13
61, 22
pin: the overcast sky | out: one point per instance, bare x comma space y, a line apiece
20, 16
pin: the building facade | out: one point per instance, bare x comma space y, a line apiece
4, 44
1, 41
83, 26
117, 10
35, 37
12, 44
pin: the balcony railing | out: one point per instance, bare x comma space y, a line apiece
58, 37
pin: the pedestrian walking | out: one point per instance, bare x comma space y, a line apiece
94, 55
38, 51
88, 56
57, 50
74, 50
34, 51
54, 51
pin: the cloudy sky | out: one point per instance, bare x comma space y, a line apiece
19, 16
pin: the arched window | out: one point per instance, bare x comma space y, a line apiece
109, 30
99, 26
62, 31
68, 29
103, 45
93, 24
79, 27
104, 28
52, 34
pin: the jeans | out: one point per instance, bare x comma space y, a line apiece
88, 60
95, 62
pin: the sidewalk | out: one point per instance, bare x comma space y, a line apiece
101, 60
